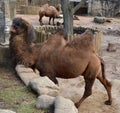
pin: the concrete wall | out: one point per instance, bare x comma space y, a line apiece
7, 13
2, 20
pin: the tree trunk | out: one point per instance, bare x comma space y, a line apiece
67, 16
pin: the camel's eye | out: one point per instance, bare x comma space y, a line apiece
14, 26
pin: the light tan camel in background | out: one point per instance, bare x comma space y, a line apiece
49, 11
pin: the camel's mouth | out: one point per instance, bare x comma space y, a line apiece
12, 29
16, 30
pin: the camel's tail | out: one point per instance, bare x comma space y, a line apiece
103, 67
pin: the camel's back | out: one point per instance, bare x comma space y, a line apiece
43, 9
48, 10
84, 42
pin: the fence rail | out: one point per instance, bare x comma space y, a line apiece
44, 32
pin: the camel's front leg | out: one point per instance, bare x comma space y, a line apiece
50, 19
50, 76
53, 20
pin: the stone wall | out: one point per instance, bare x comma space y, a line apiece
19, 3
2, 20
94, 7
35, 3
31, 10
108, 8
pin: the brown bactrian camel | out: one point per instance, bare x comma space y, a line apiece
58, 58
49, 11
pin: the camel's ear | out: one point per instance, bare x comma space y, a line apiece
30, 32
31, 35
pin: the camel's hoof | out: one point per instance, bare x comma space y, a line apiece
77, 105
108, 102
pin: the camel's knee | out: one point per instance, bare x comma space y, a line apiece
104, 81
108, 84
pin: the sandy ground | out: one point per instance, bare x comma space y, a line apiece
74, 88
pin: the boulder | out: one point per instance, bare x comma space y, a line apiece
44, 86
6, 111
45, 102
26, 74
101, 20
111, 47
63, 105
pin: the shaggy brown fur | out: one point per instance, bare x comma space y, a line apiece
21, 43
58, 58
49, 11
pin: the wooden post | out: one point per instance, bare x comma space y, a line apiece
67, 16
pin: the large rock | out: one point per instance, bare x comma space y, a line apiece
63, 105
111, 47
44, 86
26, 74
45, 102
6, 111
101, 20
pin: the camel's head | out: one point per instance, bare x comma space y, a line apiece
21, 26
58, 7
18, 26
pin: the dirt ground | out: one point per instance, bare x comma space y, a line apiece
74, 88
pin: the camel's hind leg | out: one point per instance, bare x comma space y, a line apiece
53, 20
40, 20
107, 86
88, 90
